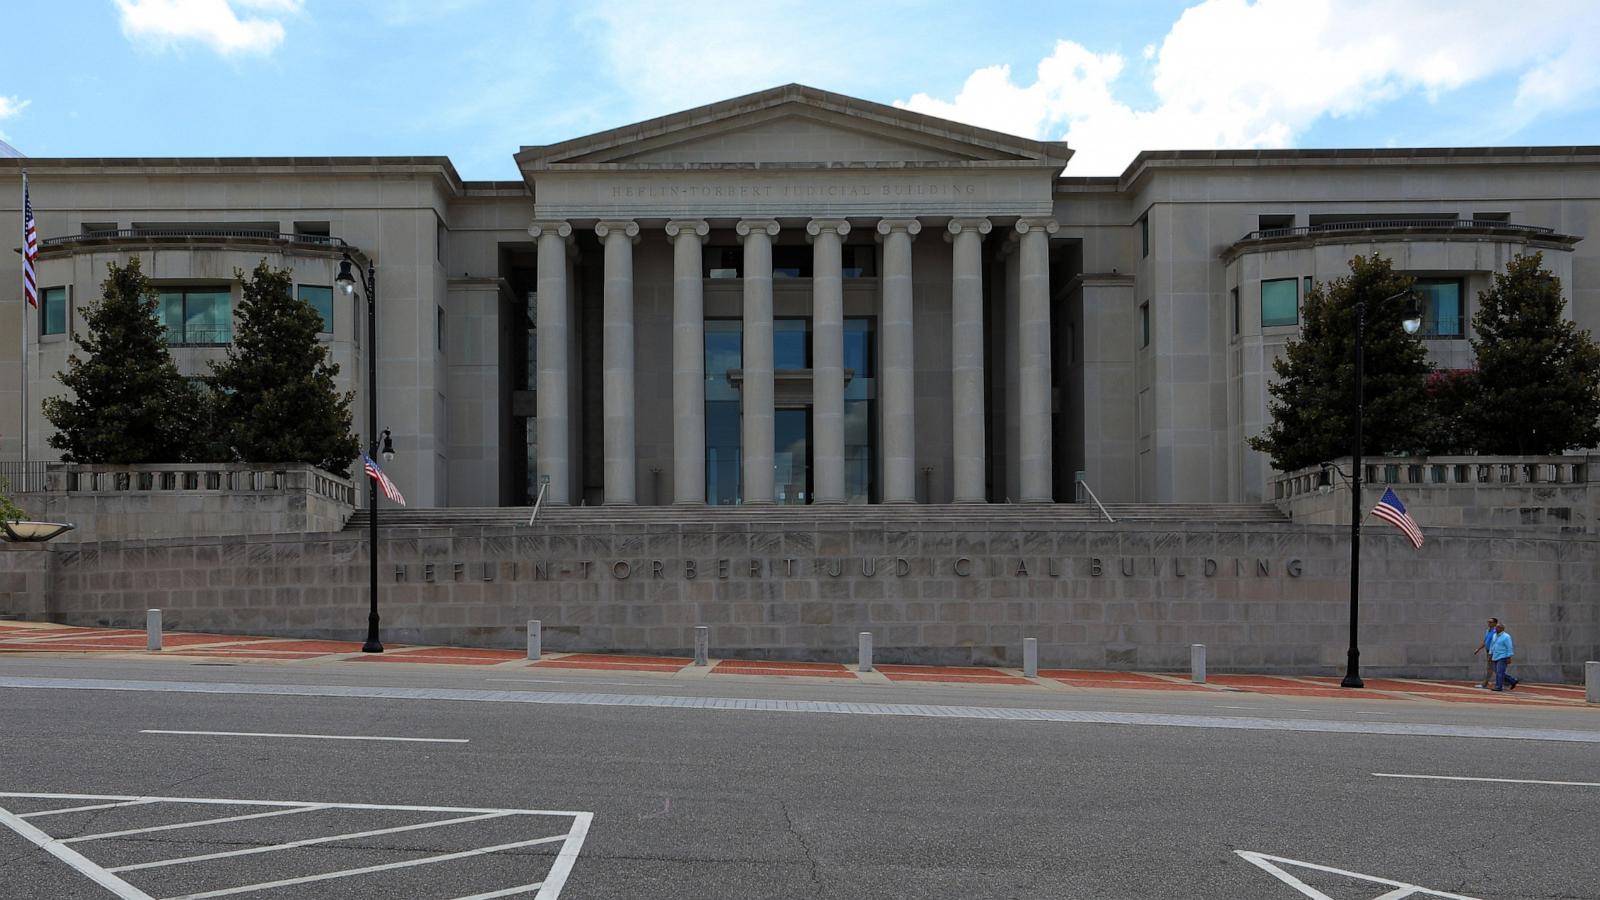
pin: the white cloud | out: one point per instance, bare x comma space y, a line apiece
1240, 75
12, 106
215, 23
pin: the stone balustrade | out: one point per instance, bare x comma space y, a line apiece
115, 502
1452, 491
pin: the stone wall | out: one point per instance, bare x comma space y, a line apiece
1261, 597
152, 501
1538, 493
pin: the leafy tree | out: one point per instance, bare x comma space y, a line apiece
275, 396
1452, 394
1314, 394
9, 510
1538, 373
128, 404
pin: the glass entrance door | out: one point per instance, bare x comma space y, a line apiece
791, 456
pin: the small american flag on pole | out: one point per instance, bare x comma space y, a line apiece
30, 248
384, 483
1391, 510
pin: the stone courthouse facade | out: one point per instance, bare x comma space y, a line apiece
797, 297
925, 333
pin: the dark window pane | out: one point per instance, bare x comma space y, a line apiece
321, 300
791, 345
53, 311
724, 342
1442, 315
1280, 302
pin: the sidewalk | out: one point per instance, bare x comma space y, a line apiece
36, 638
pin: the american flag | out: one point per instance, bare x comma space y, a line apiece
1391, 510
386, 485
30, 248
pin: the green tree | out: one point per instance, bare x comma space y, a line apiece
1452, 393
1538, 373
275, 395
9, 510
128, 403
1313, 398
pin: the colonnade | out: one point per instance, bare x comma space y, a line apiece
896, 369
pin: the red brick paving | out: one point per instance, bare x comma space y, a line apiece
623, 663
1125, 680
780, 667
950, 674
463, 656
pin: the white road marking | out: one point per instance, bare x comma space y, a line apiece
305, 842
1493, 780
366, 870
678, 702
265, 815
129, 801
1269, 864
320, 737
72, 858
548, 889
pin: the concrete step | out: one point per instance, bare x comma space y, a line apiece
602, 516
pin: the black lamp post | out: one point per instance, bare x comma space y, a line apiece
1352, 674
347, 285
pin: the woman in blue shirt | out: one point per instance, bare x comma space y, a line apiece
1500, 652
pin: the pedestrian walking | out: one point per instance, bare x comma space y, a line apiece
1500, 651
1488, 657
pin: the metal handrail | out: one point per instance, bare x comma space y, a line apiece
182, 231
1083, 487
1379, 224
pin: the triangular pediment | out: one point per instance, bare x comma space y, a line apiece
793, 125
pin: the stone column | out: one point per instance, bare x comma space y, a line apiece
756, 390
1033, 358
827, 359
550, 416
897, 398
688, 362
617, 360
966, 356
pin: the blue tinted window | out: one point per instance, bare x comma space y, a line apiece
53, 311
791, 344
1280, 302
1442, 315
321, 300
197, 315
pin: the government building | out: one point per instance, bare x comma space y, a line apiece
796, 297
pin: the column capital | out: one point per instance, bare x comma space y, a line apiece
956, 226
559, 227
696, 227
912, 227
748, 226
1048, 226
626, 227
836, 226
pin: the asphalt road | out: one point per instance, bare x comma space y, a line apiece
695, 802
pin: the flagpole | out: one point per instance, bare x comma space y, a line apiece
22, 353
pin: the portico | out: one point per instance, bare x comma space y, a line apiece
821, 348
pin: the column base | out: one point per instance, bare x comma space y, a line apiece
839, 502
758, 503
970, 501
902, 502
619, 503
688, 503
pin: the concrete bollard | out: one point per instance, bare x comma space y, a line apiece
702, 645
1591, 681
1197, 663
1030, 657
864, 652
535, 639
152, 629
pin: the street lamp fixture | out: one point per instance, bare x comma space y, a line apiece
1411, 323
347, 280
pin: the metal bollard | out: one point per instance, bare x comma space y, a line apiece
1030, 657
1591, 681
152, 629
535, 639
1197, 663
702, 645
864, 652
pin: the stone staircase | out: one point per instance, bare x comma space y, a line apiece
993, 514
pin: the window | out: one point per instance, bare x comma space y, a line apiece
1305, 290
53, 310
724, 343
859, 260
321, 300
1144, 236
860, 409
1442, 315
438, 330
791, 343
1280, 302
722, 262
1144, 324
197, 315
1274, 222
1233, 296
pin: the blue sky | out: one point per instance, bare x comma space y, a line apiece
475, 79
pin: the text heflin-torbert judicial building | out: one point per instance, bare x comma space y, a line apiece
799, 297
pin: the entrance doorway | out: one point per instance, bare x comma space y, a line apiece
791, 456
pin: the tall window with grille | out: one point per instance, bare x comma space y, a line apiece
197, 315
